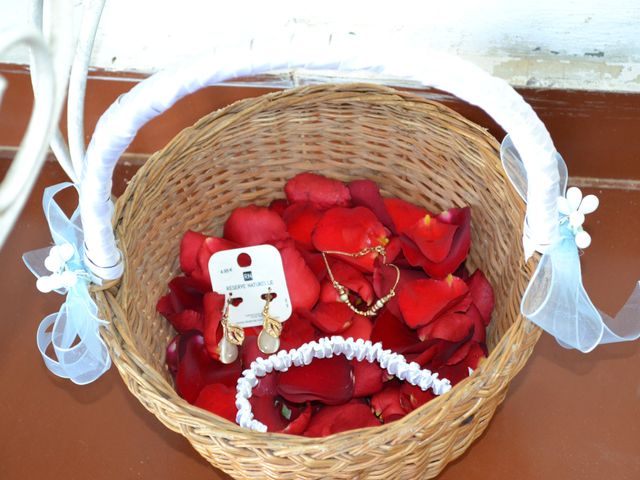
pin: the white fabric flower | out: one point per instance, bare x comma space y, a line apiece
573, 208
56, 263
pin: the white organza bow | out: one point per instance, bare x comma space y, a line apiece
69, 340
555, 299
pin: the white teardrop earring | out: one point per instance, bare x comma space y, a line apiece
269, 337
232, 337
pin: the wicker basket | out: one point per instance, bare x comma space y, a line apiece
414, 149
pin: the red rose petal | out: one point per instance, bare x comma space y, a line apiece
253, 225
422, 301
455, 373
189, 247
365, 193
384, 278
412, 253
340, 418
287, 243
460, 354
452, 327
332, 318
171, 356
412, 397
210, 246
393, 332
298, 425
182, 306
165, 306
360, 328
185, 294
301, 220
321, 191
350, 230
476, 353
315, 262
462, 273
352, 278
268, 410
303, 286
329, 381
426, 352
386, 403
267, 386
328, 293
252, 331
249, 350
462, 305
197, 369
404, 214
432, 237
459, 247
187, 320
279, 416
219, 399
479, 330
296, 331
213, 306
447, 350
482, 295
278, 205
394, 250
368, 378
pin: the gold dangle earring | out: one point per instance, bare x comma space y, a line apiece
232, 337
269, 338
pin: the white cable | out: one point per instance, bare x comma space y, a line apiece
360, 350
78, 82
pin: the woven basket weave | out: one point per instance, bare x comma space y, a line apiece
414, 149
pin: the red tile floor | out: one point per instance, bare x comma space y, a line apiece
567, 415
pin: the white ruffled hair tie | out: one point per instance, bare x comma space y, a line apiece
361, 350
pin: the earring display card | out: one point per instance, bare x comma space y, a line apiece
247, 276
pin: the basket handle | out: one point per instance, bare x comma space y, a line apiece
120, 123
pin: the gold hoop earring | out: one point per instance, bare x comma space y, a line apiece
269, 337
343, 292
232, 337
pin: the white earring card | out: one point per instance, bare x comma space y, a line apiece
246, 276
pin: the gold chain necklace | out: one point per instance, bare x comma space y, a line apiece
343, 292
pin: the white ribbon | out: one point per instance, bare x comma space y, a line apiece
78, 353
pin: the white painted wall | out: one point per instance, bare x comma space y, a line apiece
576, 44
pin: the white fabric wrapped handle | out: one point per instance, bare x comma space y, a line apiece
151, 97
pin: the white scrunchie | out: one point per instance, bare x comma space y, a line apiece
359, 349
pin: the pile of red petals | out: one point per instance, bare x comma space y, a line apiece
437, 319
